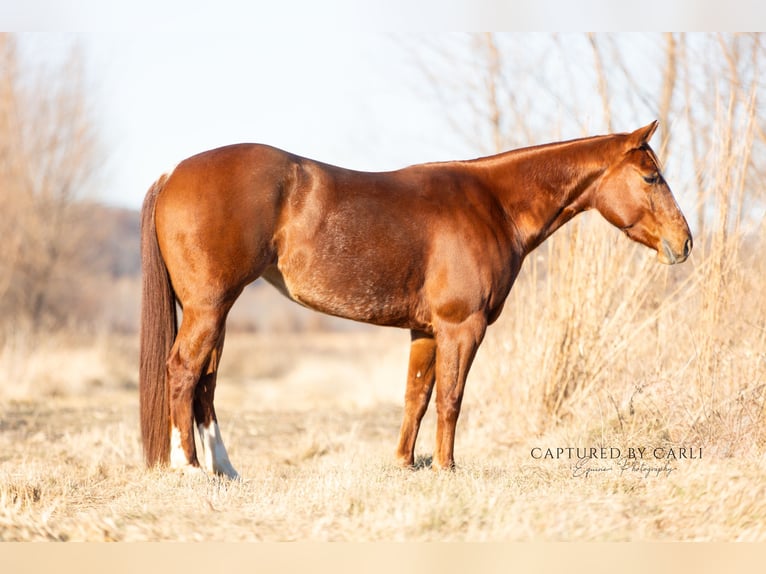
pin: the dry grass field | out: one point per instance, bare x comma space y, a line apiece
71, 471
616, 399
311, 421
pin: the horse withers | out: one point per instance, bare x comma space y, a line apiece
433, 248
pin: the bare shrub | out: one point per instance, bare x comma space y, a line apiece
48, 155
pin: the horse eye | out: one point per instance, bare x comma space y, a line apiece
651, 179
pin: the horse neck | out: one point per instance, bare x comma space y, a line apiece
543, 187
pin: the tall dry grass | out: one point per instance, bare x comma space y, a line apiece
599, 343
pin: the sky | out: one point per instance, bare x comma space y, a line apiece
164, 82
350, 98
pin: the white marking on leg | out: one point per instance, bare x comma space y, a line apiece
177, 455
215, 455
178, 460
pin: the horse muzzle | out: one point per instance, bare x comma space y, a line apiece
671, 255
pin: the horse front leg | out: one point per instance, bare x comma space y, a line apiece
457, 344
420, 383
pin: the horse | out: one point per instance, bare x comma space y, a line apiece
433, 248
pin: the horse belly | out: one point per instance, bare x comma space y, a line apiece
351, 250
355, 293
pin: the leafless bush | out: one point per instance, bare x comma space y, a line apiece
48, 155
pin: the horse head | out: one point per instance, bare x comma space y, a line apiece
634, 197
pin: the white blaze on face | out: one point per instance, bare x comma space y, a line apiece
214, 452
177, 455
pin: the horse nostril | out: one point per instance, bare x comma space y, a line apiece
687, 247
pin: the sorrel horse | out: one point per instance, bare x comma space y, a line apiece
433, 248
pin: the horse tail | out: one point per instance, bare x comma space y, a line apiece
159, 327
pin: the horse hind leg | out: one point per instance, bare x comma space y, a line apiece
214, 455
200, 332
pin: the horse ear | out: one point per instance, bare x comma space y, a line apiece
642, 135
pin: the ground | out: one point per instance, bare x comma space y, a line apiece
311, 423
